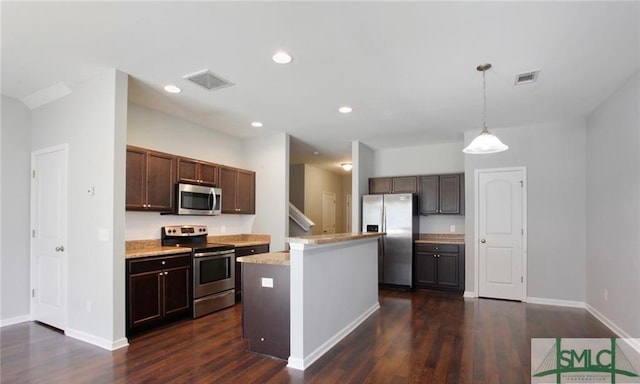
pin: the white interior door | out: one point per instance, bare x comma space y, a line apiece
328, 213
348, 213
49, 236
500, 214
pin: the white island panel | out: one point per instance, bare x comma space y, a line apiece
334, 288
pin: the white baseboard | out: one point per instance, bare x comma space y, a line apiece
306, 361
471, 294
98, 341
610, 324
14, 320
556, 302
621, 333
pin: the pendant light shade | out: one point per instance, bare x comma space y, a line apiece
485, 142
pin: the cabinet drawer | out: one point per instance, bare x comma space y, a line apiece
159, 263
447, 248
252, 250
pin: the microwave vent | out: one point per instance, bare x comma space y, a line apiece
208, 80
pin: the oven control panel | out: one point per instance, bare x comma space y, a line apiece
184, 230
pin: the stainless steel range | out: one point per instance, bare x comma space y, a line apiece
212, 265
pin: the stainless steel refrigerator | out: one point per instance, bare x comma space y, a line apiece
397, 215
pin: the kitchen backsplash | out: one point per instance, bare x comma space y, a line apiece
442, 224
146, 225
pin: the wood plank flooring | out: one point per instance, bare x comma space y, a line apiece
415, 337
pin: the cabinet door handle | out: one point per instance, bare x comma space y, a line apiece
164, 262
60, 248
166, 273
483, 241
160, 274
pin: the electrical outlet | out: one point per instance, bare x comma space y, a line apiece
452, 228
223, 229
267, 282
88, 305
606, 295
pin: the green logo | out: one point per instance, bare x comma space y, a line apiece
585, 360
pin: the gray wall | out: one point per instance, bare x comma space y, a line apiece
156, 130
613, 208
15, 163
269, 157
296, 186
554, 157
431, 159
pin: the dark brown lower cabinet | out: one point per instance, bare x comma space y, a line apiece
158, 290
265, 309
439, 267
246, 251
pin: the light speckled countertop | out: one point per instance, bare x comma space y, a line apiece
333, 238
275, 258
145, 248
441, 238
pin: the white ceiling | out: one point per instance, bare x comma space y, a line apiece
406, 68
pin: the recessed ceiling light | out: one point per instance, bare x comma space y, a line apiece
172, 88
347, 166
256, 124
315, 153
345, 109
282, 57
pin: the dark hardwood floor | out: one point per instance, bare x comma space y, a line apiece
415, 337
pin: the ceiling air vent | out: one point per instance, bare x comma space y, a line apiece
208, 80
526, 77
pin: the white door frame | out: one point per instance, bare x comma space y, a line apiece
476, 237
32, 250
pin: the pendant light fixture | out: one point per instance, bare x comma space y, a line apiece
485, 142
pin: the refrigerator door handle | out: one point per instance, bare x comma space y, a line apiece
384, 219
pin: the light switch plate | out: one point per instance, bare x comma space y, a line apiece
267, 282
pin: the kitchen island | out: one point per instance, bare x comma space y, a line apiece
333, 287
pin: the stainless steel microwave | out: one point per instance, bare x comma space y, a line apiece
198, 200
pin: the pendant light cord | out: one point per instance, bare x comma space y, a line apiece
484, 92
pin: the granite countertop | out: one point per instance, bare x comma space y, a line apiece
275, 258
244, 240
145, 248
332, 238
441, 238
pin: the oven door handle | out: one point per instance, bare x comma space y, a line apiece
214, 254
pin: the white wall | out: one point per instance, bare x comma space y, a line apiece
15, 165
362, 158
613, 208
269, 157
156, 130
424, 160
90, 121
554, 156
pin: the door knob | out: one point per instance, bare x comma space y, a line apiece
60, 248
483, 241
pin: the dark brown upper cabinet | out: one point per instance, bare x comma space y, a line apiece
442, 194
404, 184
197, 172
150, 180
238, 190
